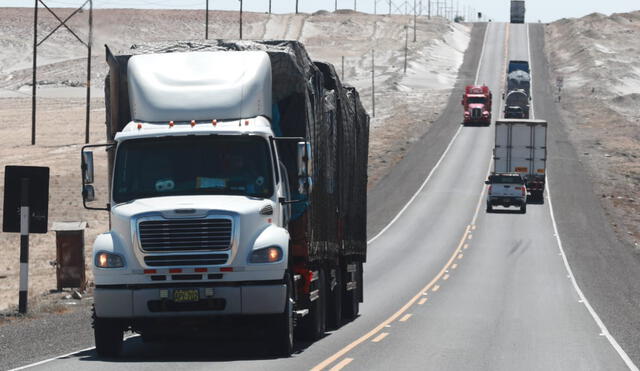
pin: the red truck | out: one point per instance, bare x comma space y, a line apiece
477, 105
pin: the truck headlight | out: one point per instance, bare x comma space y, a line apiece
269, 254
108, 260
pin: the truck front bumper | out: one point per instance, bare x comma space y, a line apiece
144, 301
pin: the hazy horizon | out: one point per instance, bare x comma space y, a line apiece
497, 10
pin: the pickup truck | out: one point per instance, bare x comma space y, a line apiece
506, 189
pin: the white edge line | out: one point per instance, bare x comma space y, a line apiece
586, 303
424, 184
61, 356
605, 332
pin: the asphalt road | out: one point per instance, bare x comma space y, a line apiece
448, 286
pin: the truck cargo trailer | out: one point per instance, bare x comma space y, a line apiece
521, 147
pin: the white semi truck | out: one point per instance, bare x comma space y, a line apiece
237, 194
521, 147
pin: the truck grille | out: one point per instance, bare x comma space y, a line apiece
185, 235
476, 113
185, 260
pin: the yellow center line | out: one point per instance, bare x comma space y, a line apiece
365, 337
341, 365
379, 338
422, 301
406, 317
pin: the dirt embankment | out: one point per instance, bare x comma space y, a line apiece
596, 63
406, 104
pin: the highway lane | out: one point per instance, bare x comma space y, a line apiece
498, 295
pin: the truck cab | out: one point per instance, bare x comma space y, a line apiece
477, 101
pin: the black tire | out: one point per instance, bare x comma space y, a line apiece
284, 323
523, 208
313, 325
489, 208
108, 334
334, 307
350, 300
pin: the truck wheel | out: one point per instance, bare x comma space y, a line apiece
108, 335
350, 300
489, 208
314, 324
283, 342
523, 208
334, 309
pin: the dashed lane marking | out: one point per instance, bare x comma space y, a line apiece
379, 338
342, 364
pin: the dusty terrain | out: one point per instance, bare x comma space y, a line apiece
595, 61
406, 104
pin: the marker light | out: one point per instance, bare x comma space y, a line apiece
214, 122
139, 126
108, 260
270, 254
171, 123
246, 122
193, 123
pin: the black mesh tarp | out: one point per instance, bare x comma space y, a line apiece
311, 103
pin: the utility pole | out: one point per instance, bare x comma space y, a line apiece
429, 9
373, 83
406, 47
206, 22
296, 6
389, 7
240, 19
355, 5
415, 20
269, 6
33, 87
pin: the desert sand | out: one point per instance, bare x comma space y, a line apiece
406, 104
596, 63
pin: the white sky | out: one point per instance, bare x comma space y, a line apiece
498, 10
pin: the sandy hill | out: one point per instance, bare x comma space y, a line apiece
597, 60
406, 104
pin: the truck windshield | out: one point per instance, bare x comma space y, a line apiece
476, 100
192, 165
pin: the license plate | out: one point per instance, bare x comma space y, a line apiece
185, 296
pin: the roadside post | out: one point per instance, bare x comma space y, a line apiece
25, 210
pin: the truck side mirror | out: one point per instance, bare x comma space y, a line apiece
88, 193
487, 182
305, 168
87, 167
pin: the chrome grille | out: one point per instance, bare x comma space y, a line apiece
185, 235
185, 260
476, 113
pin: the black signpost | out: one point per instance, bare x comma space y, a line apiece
25, 210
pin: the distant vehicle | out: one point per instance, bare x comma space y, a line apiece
517, 11
506, 189
516, 105
477, 101
518, 66
237, 195
521, 147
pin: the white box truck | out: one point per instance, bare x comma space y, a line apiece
521, 147
237, 194
517, 11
